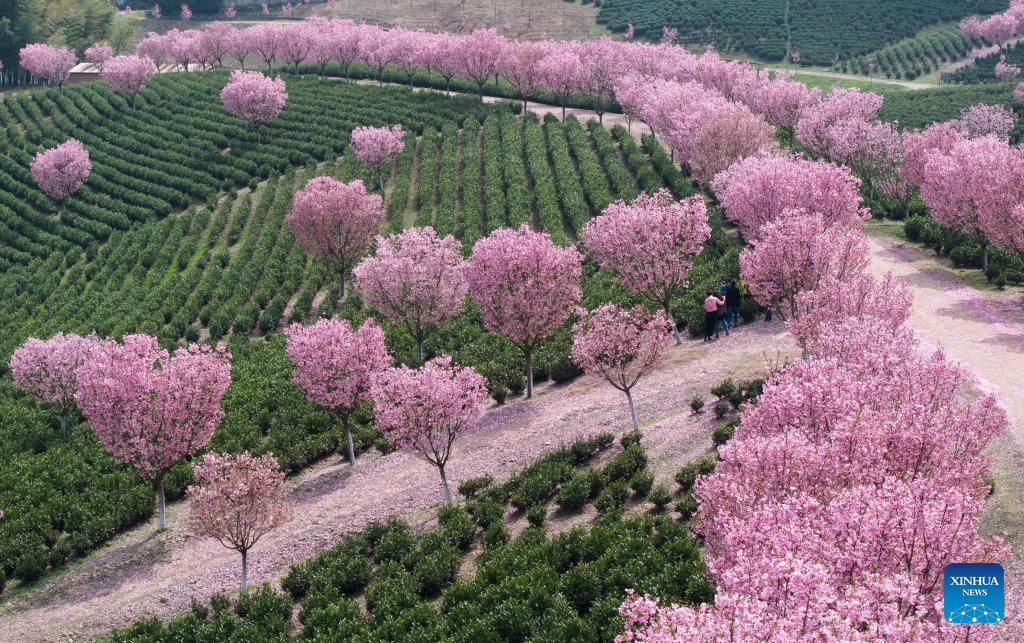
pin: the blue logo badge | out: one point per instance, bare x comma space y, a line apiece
974, 593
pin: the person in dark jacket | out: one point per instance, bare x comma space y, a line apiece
733, 296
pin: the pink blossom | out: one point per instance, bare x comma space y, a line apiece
286, 10
561, 73
218, 41
186, 13
378, 147
149, 409
728, 137
987, 120
154, 12
60, 171
99, 54
156, 47
254, 97
230, 11
796, 253
184, 47
816, 122
919, 145
50, 63
780, 99
416, 278
970, 26
478, 55
263, 40
264, 9
621, 346
128, 74
648, 245
999, 29
521, 67
334, 365
424, 411
525, 286
756, 190
295, 43
237, 499
1006, 71
49, 368
335, 222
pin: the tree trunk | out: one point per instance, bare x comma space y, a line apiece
419, 348
529, 372
348, 438
63, 423
245, 573
160, 503
984, 257
563, 111
632, 412
444, 486
341, 296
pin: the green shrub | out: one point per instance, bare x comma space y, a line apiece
724, 432
471, 487
686, 506
495, 535
436, 570
697, 404
724, 389
574, 493
687, 474
486, 511
612, 498
457, 525
395, 544
392, 591
966, 256
625, 465
629, 439
659, 496
536, 515
721, 408
641, 483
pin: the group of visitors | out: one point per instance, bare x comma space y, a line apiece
722, 310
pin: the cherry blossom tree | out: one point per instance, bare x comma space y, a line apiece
49, 369
251, 96
603, 61
60, 171
478, 56
998, 29
52, 64
184, 48
186, 14
128, 74
99, 54
416, 278
150, 409
780, 99
987, 120
238, 499
424, 411
796, 253
621, 346
154, 12
970, 26
335, 222
378, 147
230, 11
294, 44
756, 191
334, 365
649, 245
726, 138
1006, 71
263, 40
919, 145
815, 129
562, 74
525, 286
345, 44
521, 67
218, 41
156, 47
872, 149
968, 187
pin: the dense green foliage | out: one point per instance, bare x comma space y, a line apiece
772, 29
916, 56
535, 586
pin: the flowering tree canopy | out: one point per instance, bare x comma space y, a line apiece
335, 222
60, 171
378, 147
987, 120
649, 245
425, 410
98, 54
237, 499
525, 286
334, 365
416, 278
50, 63
150, 409
128, 74
795, 254
254, 97
621, 346
49, 368
757, 190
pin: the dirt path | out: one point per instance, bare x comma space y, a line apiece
144, 573
973, 55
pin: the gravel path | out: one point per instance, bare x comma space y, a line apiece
143, 573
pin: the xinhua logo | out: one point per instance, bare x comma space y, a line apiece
974, 593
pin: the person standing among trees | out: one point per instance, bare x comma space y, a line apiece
733, 296
711, 304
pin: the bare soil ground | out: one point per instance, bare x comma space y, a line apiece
148, 573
